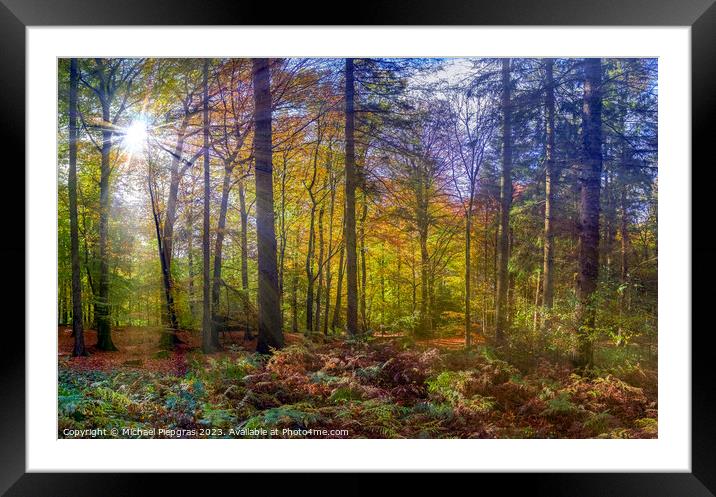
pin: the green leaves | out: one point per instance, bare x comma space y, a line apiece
560, 405
345, 394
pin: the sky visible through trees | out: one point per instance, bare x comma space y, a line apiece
500, 205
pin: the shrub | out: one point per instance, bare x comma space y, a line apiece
598, 423
456, 388
216, 417
560, 405
649, 426
294, 359
297, 416
450, 385
345, 394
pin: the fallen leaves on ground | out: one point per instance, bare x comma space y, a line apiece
376, 389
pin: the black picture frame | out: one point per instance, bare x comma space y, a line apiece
700, 15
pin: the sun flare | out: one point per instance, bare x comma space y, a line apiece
135, 138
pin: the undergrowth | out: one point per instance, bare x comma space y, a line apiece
370, 389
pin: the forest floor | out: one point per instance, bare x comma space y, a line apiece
387, 387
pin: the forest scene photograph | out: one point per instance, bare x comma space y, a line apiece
355, 248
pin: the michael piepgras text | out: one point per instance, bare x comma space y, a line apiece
203, 433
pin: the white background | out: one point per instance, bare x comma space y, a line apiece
670, 452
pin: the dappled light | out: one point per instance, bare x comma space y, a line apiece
358, 248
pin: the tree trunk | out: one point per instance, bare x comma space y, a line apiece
339, 290
350, 208
624, 233
382, 288
77, 326
190, 257
468, 234
319, 288
61, 316
363, 273
309, 269
244, 258
590, 182
501, 318
294, 285
208, 344
398, 285
485, 268
169, 337
610, 214
219, 246
310, 252
424, 285
269, 309
548, 263
92, 305
329, 276
175, 178
535, 317
282, 234
104, 327
414, 282
624, 256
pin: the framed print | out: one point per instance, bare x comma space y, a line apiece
454, 240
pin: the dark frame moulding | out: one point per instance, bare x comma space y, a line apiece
700, 15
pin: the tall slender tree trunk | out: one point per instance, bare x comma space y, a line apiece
431, 296
282, 233
414, 281
207, 344
244, 215
623, 294
350, 208
422, 224
425, 327
485, 268
337, 309
294, 285
321, 253
535, 317
511, 286
190, 261
610, 215
92, 305
363, 272
61, 313
269, 308
382, 288
78, 348
104, 326
397, 302
501, 318
548, 263
329, 276
165, 238
175, 178
468, 240
310, 252
309, 269
624, 258
590, 182
169, 337
624, 234
219, 247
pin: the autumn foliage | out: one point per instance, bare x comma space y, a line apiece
372, 389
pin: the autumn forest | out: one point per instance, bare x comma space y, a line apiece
357, 248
